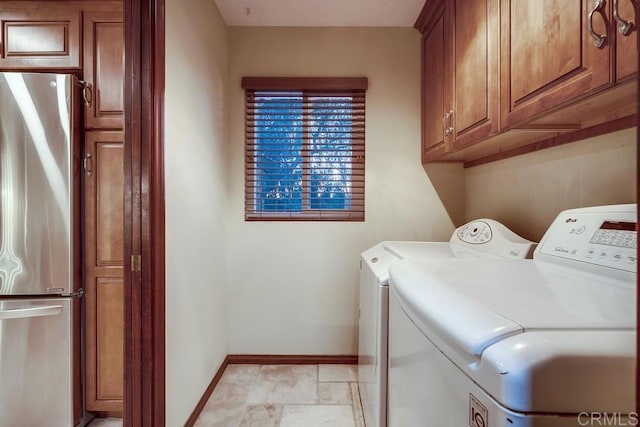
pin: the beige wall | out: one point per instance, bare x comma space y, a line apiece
195, 162
527, 192
293, 287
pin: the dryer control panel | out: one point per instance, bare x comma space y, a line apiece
490, 236
604, 236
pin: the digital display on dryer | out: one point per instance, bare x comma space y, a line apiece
619, 225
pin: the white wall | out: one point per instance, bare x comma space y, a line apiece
293, 286
527, 192
195, 162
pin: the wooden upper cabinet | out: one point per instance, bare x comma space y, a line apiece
435, 84
474, 111
460, 66
502, 74
549, 56
625, 27
39, 35
104, 70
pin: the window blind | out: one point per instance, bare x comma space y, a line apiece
304, 149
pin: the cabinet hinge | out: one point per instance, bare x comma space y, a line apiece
136, 261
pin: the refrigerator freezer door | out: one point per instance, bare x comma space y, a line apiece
36, 362
36, 184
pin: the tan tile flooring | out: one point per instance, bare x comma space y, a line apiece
285, 396
280, 395
106, 422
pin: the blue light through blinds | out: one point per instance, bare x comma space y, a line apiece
304, 155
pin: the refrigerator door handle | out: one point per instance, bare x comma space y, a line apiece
22, 313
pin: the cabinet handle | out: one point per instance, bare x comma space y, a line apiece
624, 26
598, 39
87, 92
450, 128
445, 124
87, 164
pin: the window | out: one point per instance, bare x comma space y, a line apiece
304, 148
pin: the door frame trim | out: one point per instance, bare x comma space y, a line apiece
144, 233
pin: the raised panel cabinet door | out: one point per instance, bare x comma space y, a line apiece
104, 70
475, 63
626, 34
436, 94
104, 260
39, 35
548, 56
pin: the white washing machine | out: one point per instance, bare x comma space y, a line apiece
548, 342
483, 238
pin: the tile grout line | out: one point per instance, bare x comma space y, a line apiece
358, 411
246, 400
353, 403
317, 384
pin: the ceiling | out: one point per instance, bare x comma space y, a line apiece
320, 13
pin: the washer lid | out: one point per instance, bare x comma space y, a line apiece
409, 249
476, 303
381, 256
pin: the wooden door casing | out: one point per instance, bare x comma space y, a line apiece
548, 58
104, 260
104, 69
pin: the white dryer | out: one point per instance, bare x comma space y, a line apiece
548, 342
482, 238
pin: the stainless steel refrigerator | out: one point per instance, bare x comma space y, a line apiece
40, 268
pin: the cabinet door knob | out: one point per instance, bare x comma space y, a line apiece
445, 124
598, 39
624, 26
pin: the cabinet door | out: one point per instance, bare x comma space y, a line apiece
39, 35
626, 44
436, 94
475, 63
104, 70
104, 259
548, 57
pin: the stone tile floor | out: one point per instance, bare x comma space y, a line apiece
105, 422
285, 396
280, 396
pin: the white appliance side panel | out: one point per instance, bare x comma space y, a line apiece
427, 389
36, 363
382, 373
378, 259
372, 347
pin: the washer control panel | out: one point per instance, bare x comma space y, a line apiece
492, 237
598, 236
476, 232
